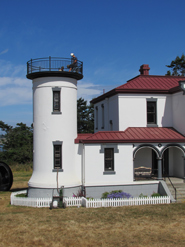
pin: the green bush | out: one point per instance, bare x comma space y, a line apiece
143, 196
104, 195
155, 194
21, 195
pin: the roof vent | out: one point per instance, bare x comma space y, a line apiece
144, 69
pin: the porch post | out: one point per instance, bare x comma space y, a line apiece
159, 163
133, 171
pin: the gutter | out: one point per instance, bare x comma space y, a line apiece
83, 169
132, 141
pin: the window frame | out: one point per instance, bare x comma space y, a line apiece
56, 90
102, 151
154, 114
111, 169
57, 144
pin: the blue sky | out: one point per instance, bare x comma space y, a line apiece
112, 38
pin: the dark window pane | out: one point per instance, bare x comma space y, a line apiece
151, 118
56, 101
109, 159
57, 156
151, 112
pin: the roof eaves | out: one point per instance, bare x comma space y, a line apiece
133, 141
103, 96
134, 91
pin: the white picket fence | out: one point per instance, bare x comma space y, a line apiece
97, 203
88, 203
29, 202
73, 201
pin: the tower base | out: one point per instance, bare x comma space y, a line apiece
34, 192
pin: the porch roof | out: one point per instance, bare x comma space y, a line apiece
134, 135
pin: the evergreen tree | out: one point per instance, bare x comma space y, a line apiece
85, 116
17, 143
177, 66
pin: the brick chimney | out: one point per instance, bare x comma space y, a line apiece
144, 69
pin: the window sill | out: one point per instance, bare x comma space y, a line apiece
109, 172
56, 113
152, 125
59, 170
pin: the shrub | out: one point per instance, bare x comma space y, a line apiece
155, 194
21, 195
79, 194
104, 195
143, 196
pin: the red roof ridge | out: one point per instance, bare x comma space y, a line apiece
163, 76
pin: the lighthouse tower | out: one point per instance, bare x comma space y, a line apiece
54, 125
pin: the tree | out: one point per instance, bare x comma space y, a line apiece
85, 116
17, 143
177, 66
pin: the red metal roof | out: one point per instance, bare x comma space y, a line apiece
135, 135
152, 82
146, 84
82, 136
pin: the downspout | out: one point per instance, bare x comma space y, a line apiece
57, 182
83, 170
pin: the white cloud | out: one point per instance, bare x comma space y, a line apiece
88, 90
15, 96
3, 52
15, 91
7, 69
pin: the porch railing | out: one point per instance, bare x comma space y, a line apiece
172, 186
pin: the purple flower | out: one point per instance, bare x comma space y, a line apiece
118, 195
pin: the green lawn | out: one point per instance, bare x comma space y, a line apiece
150, 225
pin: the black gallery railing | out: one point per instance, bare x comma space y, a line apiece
53, 64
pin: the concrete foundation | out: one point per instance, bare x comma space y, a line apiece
49, 192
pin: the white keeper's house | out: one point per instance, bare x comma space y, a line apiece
139, 130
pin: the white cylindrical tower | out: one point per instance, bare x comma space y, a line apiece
55, 126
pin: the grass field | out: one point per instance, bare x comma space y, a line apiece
160, 225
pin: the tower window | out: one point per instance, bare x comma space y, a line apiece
57, 156
56, 100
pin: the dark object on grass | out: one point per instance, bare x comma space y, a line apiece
6, 177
